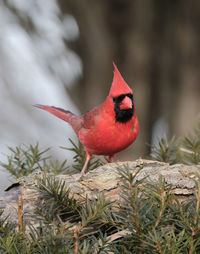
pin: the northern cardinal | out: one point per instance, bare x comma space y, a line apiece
108, 128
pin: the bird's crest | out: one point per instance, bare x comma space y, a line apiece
119, 86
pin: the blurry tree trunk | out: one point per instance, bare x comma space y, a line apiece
94, 49
156, 47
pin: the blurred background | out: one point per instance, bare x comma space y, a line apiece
60, 53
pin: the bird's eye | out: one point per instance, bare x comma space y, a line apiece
118, 99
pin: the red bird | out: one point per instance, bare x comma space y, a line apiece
108, 128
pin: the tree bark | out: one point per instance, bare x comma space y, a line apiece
103, 179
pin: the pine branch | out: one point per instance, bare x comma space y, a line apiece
57, 199
24, 160
184, 150
167, 150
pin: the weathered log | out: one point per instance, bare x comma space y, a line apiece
104, 178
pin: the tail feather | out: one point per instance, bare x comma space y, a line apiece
65, 115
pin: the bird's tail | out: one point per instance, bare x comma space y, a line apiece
65, 115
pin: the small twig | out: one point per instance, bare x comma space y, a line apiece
158, 247
75, 231
197, 193
187, 150
20, 213
117, 235
163, 197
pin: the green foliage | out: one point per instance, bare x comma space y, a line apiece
25, 160
191, 151
5, 227
155, 221
55, 167
48, 239
95, 212
184, 150
167, 150
58, 201
60, 205
9, 238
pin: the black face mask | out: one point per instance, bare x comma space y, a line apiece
123, 115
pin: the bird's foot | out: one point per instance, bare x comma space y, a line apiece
111, 158
88, 156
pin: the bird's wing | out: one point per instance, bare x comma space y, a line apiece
89, 119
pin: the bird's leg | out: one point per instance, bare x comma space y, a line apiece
88, 156
111, 158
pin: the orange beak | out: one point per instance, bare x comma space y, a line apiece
126, 103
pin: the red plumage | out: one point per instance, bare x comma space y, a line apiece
108, 128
